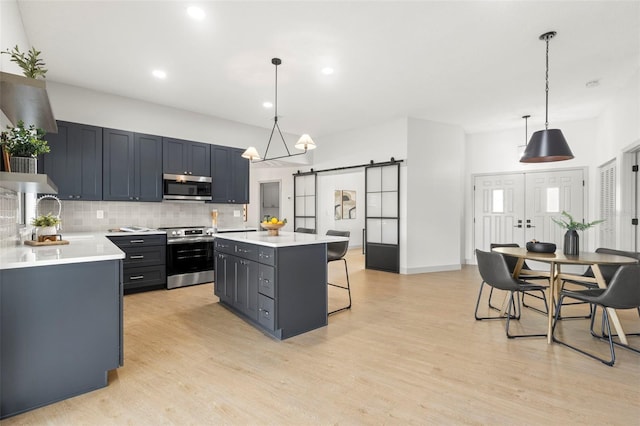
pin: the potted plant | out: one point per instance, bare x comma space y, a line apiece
571, 238
46, 224
24, 144
32, 66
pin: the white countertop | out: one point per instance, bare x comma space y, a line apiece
237, 229
82, 247
285, 239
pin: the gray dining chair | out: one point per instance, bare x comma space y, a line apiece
306, 230
622, 292
511, 263
336, 251
608, 271
495, 273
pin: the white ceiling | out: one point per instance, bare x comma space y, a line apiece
477, 64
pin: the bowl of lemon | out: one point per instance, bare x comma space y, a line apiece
273, 225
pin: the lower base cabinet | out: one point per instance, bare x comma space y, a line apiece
60, 332
280, 290
145, 261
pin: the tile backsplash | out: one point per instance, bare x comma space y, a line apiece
8, 218
81, 216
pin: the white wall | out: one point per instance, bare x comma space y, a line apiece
434, 202
11, 34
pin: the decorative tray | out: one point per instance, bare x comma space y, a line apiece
46, 243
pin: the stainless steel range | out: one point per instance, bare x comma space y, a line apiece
189, 255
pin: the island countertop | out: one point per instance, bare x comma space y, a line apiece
285, 239
82, 247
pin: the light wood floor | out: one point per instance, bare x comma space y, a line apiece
409, 352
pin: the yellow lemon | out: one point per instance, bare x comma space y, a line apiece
274, 220
280, 222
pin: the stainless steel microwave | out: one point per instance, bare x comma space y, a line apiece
186, 187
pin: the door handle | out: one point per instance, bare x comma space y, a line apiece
529, 225
519, 225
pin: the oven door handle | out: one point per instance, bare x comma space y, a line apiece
190, 240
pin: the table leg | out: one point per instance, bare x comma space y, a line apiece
552, 299
613, 316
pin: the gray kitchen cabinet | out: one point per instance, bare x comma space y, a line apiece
286, 287
236, 278
132, 166
60, 332
230, 175
74, 162
181, 157
144, 265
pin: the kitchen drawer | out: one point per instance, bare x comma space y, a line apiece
145, 255
247, 251
267, 255
266, 312
225, 246
266, 280
144, 276
139, 240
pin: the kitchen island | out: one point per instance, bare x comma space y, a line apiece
60, 321
277, 283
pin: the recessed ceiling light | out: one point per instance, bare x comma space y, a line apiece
593, 83
327, 70
267, 104
159, 74
195, 13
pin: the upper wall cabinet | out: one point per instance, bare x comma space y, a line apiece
132, 166
75, 161
182, 157
230, 174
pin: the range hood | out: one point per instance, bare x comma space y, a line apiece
28, 183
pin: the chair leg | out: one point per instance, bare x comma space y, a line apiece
605, 324
604, 336
348, 288
591, 312
542, 297
514, 336
478, 318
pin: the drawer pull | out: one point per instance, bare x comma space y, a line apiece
136, 241
266, 313
137, 256
136, 277
265, 280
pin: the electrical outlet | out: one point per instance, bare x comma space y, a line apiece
99, 214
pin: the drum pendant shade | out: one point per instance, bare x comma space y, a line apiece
546, 146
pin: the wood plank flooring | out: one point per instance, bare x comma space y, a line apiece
408, 352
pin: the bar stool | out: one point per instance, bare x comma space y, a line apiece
336, 251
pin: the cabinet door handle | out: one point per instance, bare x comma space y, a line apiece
136, 241
136, 277
137, 256
266, 313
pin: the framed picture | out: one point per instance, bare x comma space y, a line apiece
344, 204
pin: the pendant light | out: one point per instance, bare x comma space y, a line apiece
548, 144
305, 142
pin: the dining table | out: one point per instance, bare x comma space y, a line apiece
556, 276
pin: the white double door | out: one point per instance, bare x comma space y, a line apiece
518, 207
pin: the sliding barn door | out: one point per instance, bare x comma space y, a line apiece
382, 217
305, 206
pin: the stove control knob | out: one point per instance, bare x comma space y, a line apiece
174, 233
